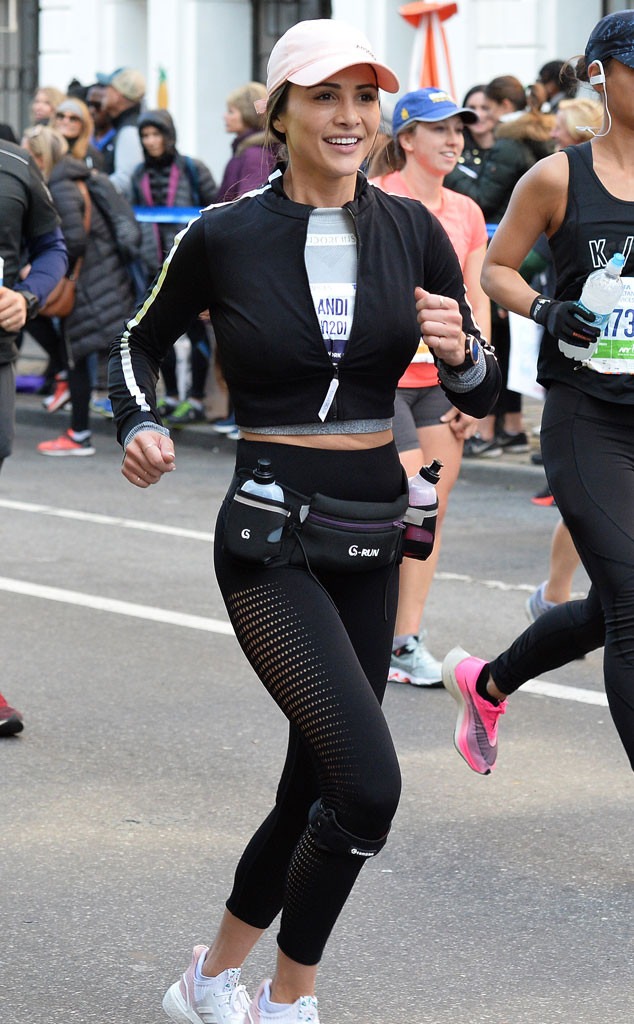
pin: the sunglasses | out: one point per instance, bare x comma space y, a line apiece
68, 117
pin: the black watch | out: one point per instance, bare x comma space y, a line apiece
471, 354
32, 303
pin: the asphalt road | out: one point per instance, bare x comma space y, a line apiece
151, 752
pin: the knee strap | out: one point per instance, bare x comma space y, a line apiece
330, 836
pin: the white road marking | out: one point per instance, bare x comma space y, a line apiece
537, 687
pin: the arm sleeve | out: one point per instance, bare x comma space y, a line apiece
179, 293
206, 184
49, 263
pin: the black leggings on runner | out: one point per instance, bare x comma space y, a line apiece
588, 448
322, 652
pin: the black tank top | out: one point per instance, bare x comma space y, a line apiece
596, 225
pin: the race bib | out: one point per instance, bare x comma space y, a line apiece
615, 351
334, 305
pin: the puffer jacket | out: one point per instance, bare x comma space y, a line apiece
192, 185
104, 297
518, 145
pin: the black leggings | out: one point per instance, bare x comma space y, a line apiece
588, 449
326, 667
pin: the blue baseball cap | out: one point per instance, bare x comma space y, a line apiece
428, 105
613, 36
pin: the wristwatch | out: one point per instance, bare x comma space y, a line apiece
32, 303
471, 354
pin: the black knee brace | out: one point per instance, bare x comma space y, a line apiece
330, 836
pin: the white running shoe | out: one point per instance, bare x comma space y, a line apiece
189, 1002
303, 1011
413, 663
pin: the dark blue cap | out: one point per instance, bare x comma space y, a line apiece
613, 36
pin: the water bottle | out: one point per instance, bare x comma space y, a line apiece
422, 513
263, 484
600, 294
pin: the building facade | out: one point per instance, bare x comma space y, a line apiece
209, 47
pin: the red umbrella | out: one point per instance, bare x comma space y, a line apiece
430, 63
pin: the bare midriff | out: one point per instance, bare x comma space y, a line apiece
336, 442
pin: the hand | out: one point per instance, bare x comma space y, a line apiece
564, 320
440, 322
149, 455
12, 310
462, 426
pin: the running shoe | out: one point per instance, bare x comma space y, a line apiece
302, 1011
60, 396
102, 406
10, 720
537, 604
66, 445
516, 444
475, 735
477, 447
189, 1002
166, 407
224, 426
413, 663
185, 414
544, 498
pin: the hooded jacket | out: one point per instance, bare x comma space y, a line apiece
170, 180
519, 143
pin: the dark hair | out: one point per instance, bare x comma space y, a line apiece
550, 71
576, 70
507, 87
471, 91
276, 105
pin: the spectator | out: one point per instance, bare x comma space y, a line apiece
559, 83
73, 120
103, 129
166, 178
30, 224
252, 158
103, 289
479, 136
45, 102
124, 92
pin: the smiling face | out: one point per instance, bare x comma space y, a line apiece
330, 129
435, 146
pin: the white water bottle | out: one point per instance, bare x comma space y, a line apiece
600, 294
263, 484
422, 513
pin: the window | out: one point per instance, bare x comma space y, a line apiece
271, 19
8, 16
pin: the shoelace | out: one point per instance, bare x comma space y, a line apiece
237, 1001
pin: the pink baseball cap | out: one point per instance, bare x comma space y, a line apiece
312, 50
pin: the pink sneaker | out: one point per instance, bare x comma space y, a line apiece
475, 735
303, 1011
189, 1002
10, 719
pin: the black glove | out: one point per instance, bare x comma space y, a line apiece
564, 320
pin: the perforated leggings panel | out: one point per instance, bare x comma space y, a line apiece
322, 653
